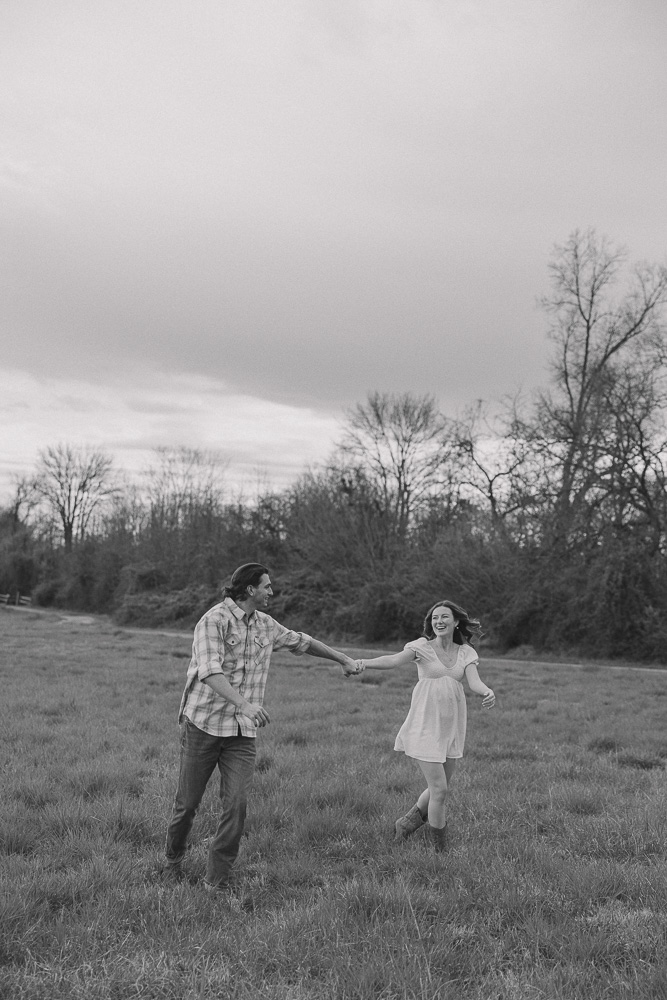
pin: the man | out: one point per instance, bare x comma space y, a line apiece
221, 708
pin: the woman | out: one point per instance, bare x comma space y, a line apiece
434, 730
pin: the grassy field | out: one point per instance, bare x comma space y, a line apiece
555, 885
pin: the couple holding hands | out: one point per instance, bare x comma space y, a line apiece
222, 707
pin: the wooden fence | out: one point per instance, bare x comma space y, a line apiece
19, 601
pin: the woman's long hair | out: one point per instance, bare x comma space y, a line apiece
245, 576
466, 627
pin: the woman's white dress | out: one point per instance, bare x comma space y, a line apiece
435, 727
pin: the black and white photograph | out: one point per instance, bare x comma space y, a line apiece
333, 499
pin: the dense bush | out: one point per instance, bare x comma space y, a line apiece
176, 607
607, 600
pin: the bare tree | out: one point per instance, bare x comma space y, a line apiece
184, 480
632, 473
492, 459
24, 499
594, 338
73, 483
400, 443
335, 520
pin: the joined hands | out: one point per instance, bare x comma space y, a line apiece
353, 667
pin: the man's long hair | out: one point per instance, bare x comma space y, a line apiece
245, 576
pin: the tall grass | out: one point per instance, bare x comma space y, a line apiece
555, 885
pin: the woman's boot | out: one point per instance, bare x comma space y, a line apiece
408, 824
437, 837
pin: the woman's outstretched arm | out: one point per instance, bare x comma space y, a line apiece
388, 661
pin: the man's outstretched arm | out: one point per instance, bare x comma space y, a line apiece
318, 648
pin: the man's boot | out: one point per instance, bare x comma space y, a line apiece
437, 837
172, 868
408, 824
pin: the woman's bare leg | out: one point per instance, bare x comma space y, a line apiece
432, 800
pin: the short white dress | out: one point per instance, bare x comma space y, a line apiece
435, 727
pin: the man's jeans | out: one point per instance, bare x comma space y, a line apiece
235, 759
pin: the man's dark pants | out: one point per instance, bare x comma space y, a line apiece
234, 756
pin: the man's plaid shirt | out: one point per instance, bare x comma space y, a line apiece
227, 642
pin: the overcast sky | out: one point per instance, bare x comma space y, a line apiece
225, 221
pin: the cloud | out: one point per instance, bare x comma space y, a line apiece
305, 202
256, 437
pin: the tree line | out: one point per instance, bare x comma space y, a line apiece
546, 517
